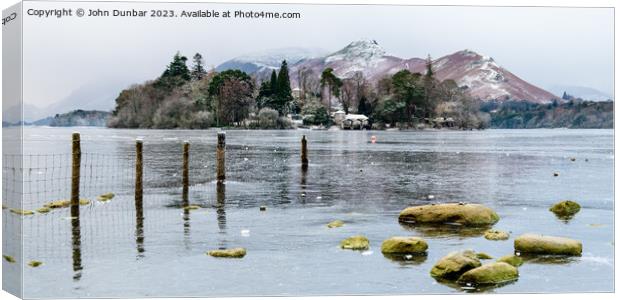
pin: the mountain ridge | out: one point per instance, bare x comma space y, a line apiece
483, 77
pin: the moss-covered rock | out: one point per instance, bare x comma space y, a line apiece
444, 230
58, 204
8, 258
22, 212
105, 197
453, 265
64, 203
565, 209
34, 263
512, 260
191, 207
552, 245
496, 235
358, 242
404, 245
335, 224
44, 210
406, 259
482, 255
450, 213
228, 253
489, 274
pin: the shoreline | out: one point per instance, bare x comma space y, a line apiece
312, 129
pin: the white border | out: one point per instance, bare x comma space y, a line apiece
580, 3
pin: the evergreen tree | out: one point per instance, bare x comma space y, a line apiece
198, 71
273, 82
264, 94
429, 87
176, 74
429, 67
178, 68
362, 106
283, 92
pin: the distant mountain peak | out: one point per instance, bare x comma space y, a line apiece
468, 52
362, 50
265, 61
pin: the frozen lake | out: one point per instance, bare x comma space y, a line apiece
290, 249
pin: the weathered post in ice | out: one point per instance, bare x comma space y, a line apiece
138, 196
185, 172
221, 156
75, 175
304, 153
138, 193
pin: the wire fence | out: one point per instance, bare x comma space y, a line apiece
34, 182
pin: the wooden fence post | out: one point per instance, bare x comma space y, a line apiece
139, 176
221, 156
76, 239
304, 153
185, 172
76, 161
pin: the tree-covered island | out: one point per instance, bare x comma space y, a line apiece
194, 98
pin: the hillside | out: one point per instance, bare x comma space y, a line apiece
572, 114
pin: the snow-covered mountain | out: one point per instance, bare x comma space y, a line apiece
484, 78
266, 61
365, 56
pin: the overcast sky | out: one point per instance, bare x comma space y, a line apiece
544, 46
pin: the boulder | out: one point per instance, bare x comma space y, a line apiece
496, 235
22, 212
565, 208
58, 204
482, 255
512, 260
406, 259
489, 274
453, 265
228, 253
552, 245
335, 224
404, 245
105, 197
44, 210
357, 242
34, 263
191, 207
444, 230
450, 213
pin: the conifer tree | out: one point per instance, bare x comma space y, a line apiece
273, 82
176, 74
178, 68
429, 87
198, 71
283, 92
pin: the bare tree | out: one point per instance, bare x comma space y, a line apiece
234, 100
